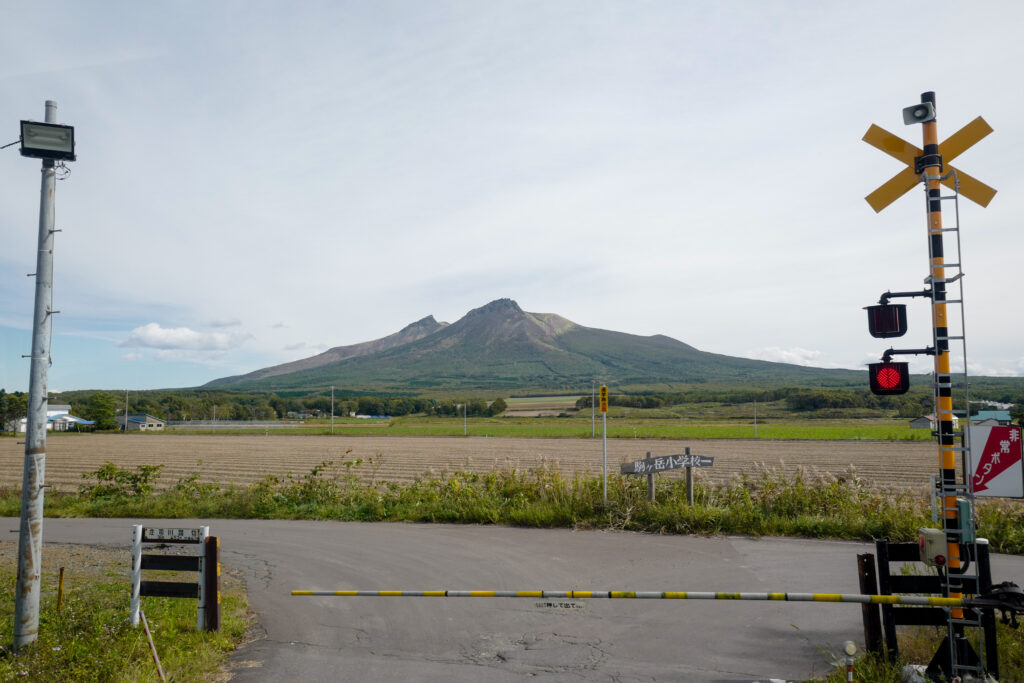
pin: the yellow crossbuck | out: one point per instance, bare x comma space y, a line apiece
955, 145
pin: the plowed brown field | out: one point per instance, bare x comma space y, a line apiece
243, 459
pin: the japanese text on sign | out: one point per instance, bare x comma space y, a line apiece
666, 462
178, 535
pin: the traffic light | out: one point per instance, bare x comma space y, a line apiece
889, 378
887, 320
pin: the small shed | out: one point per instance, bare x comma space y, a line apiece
142, 422
928, 422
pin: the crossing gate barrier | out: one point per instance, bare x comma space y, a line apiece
206, 562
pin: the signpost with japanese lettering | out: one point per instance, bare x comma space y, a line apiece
206, 562
663, 463
996, 465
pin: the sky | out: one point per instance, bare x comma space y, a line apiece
258, 182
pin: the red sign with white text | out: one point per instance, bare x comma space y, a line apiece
996, 456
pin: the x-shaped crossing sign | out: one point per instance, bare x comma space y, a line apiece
955, 145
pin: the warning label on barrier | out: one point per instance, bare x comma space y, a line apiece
996, 462
558, 604
170, 535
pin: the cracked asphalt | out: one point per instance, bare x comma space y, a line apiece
471, 639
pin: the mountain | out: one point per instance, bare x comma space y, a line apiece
409, 333
501, 347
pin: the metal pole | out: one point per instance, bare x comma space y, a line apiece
136, 575
593, 399
152, 647
332, 409
30, 539
604, 449
689, 477
952, 524
126, 411
650, 482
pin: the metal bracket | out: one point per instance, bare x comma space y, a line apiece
925, 160
1006, 597
884, 299
887, 356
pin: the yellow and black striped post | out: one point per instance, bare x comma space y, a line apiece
932, 162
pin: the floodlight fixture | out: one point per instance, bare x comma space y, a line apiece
47, 141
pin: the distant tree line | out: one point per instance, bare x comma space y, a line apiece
185, 405
797, 399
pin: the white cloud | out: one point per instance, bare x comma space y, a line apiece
131, 357
154, 336
796, 356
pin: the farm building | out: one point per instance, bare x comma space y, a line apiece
58, 419
142, 422
995, 417
928, 422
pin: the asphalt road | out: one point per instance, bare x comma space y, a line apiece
450, 639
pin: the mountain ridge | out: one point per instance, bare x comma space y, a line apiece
499, 346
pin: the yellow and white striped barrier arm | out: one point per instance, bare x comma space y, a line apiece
919, 600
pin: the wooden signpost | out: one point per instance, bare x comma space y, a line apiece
651, 466
206, 589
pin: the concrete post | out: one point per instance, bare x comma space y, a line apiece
30, 539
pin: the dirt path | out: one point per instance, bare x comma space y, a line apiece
244, 459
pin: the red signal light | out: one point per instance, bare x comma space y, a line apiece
889, 378
887, 320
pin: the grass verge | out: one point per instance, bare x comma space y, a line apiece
766, 503
918, 644
91, 639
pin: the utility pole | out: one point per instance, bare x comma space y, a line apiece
332, 409
126, 411
30, 538
593, 396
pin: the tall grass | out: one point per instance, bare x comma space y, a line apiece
806, 504
91, 638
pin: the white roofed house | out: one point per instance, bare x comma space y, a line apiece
58, 419
928, 422
142, 422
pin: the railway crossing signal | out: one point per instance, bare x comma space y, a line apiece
955, 145
930, 165
887, 320
889, 378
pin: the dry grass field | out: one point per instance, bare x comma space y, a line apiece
232, 459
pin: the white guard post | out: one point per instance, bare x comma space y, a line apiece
136, 572
204, 532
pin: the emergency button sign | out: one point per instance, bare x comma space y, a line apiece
996, 461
